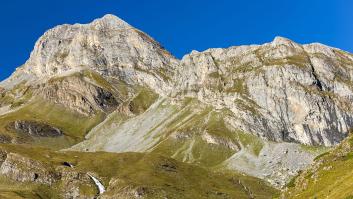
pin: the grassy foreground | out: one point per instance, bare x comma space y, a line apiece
127, 174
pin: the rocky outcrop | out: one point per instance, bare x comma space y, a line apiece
77, 94
281, 91
22, 169
35, 129
5, 139
213, 140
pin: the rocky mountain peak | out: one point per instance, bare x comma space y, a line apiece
278, 40
112, 21
107, 45
287, 91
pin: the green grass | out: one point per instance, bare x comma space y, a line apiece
184, 137
99, 80
193, 121
248, 105
74, 125
331, 175
296, 60
17, 96
142, 101
214, 75
238, 87
194, 150
245, 68
11, 189
315, 149
159, 176
250, 141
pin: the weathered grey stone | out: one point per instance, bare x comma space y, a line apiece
280, 91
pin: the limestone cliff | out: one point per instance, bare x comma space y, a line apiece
280, 91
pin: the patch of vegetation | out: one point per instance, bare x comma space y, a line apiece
194, 150
244, 68
245, 106
74, 125
291, 183
329, 177
250, 141
142, 101
295, 60
315, 149
99, 80
344, 60
163, 73
157, 176
17, 96
238, 87
184, 136
321, 155
214, 75
10, 189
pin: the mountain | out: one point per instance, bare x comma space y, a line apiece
260, 110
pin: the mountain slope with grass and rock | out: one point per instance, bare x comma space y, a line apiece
253, 116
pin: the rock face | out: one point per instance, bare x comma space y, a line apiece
35, 129
27, 170
23, 169
280, 91
78, 94
108, 45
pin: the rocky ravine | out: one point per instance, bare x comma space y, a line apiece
279, 91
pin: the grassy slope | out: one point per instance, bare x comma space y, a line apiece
330, 176
74, 125
176, 131
192, 125
142, 101
203, 153
136, 171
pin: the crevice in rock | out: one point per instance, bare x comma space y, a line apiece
36, 176
317, 81
105, 99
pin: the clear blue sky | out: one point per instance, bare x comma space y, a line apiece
181, 25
